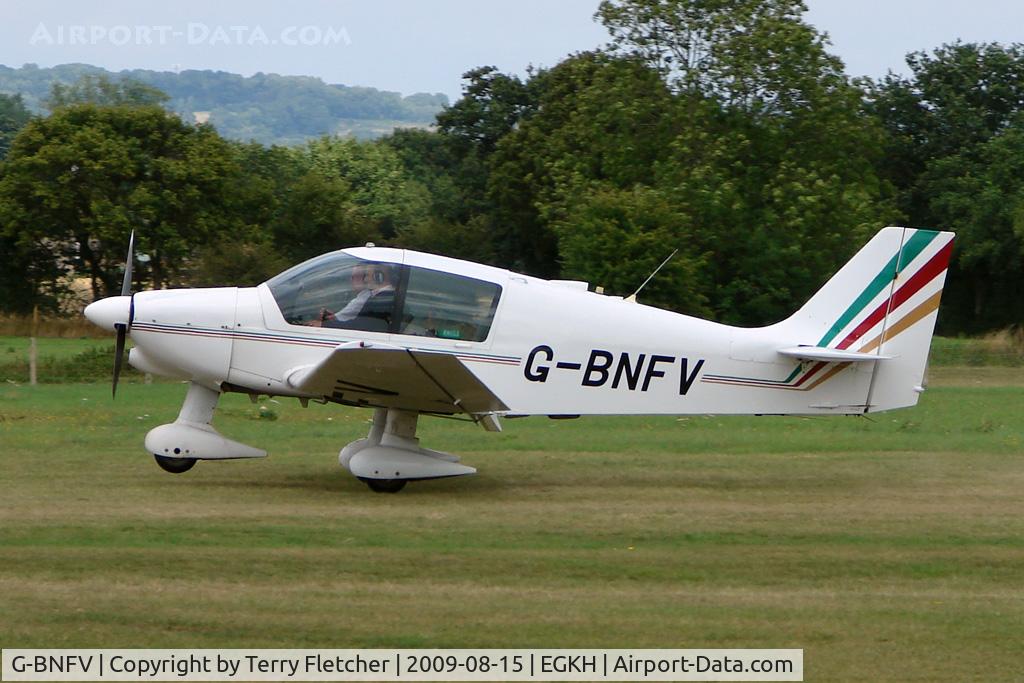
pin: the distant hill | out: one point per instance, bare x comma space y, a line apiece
268, 108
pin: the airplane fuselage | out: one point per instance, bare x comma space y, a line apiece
552, 349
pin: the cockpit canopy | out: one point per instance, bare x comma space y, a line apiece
341, 291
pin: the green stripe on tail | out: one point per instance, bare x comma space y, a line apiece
914, 246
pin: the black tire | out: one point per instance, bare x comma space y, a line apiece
175, 465
384, 485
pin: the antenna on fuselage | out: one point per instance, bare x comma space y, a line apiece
632, 297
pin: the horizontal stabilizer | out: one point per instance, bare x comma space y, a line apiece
830, 355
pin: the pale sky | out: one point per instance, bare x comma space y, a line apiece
419, 46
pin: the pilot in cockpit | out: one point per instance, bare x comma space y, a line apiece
372, 302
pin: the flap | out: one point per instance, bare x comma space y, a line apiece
393, 377
831, 355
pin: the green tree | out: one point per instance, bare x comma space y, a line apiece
779, 206
371, 176
596, 118
101, 90
451, 176
258, 201
460, 223
78, 181
773, 160
471, 240
28, 277
232, 263
981, 192
616, 238
956, 98
319, 215
756, 55
953, 127
13, 116
492, 103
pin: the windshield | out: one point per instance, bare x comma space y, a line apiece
338, 290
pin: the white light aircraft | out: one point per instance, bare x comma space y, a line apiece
411, 334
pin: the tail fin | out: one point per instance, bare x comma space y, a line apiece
884, 302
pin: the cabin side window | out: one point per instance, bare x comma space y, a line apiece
439, 304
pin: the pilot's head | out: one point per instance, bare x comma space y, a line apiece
360, 276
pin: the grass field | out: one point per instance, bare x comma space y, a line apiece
15, 349
890, 549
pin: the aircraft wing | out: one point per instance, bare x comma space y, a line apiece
393, 377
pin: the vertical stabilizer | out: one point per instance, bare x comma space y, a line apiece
884, 301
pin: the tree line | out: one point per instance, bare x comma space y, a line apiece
724, 130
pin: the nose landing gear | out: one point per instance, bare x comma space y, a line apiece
191, 437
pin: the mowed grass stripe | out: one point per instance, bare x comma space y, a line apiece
425, 538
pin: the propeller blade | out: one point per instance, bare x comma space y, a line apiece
122, 331
122, 328
126, 284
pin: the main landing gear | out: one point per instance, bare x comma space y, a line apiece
384, 485
391, 455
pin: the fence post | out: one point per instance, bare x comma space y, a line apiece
32, 379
